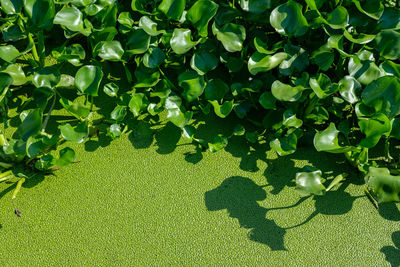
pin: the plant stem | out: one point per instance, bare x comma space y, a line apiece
34, 50
127, 73
388, 158
46, 120
91, 103
41, 48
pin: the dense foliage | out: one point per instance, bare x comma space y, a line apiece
287, 70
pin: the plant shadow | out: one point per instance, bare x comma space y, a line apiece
239, 196
392, 253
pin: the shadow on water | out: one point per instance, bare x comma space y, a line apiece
392, 253
239, 196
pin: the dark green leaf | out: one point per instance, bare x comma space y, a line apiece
87, 79
193, 85
200, 15
288, 19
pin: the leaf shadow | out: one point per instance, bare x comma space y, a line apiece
239, 196
392, 253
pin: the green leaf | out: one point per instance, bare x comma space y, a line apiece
218, 143
139, 5
261, 63
174, 113
181, 41
290, 119
5, 81
126, 19
388, 44
146, 77
383, 95
47, 77
119, 113
373, 9
200, 14
323, 57
114, 131
285, 92
138, 42
173, 9
76, 109
87, 79
41, 12
153, 58
364, 70
76, 134
66, 157
383, 185
390, 19
193, 85
285, 145
374, 128
223, 110
231, 36
111, 89
296, 61
288, 19
138, 103
31, 125
11, 6
72, 19
328, 141
358, 38
17, 74
109, 50
216, 89
9, 53
322, 85
309, 183
255, 6
338, 18
267, 100
391, 68
149, 26
349, 89
203, 62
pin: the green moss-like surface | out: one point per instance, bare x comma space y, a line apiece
141, 201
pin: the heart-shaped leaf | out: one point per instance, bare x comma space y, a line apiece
154, 57
388, 44
285, 92
309, 183
119, 113
203, 62
17, 74
87, 79
109, 50
138, 42
173, 9
72, 19
261, 62
288, 19
374, 128
138, 103
193, 85
41, 12
267, 100
9, 53
30, 125
349, 89
181, 41
328, 141
383, 185
76, 134
200, 15
383, 95
231, 36
218, 143
66, 157
46, 77
11, 6
111, 89
216, 89
149, 26
285, 145
223, 110
76, 109
338, 18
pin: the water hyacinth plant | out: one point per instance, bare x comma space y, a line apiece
286, 71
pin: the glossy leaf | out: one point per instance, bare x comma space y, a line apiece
193, 85
41, 12
383, 95
285, 92
200, 14
388, 44
328, 141
76, 134
9, 53
338, 18
231, 36
203, 62
255, 6
173, 9
30, 125
349, 89
284, 146
149, 26
138, 103
310, 183
181, 41
87, 79
66, 157
109, 50
11, 6
223, 110
267, 100
138, 42
260, 62
111, 89
374, 128
72, 19
76, 109
215, 89
288, 19
383, 185
46, 77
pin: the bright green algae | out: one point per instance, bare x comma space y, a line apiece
143, 205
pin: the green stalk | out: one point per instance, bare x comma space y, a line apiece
41, 48
34, 50
5, 174
127, 73
46, 120
388, 158
91, 103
